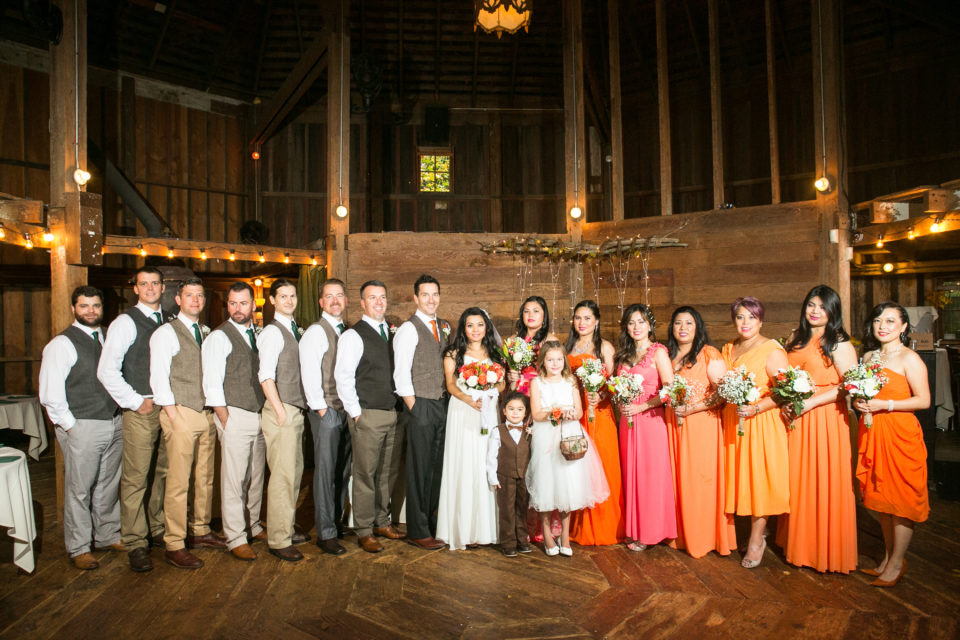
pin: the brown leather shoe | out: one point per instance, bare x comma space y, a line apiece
299, 538
183, 559
387, 532
140, 559
116, 546
244, 552
206, 541
430, 544
260, 537
85, 561
331, 546
370, 544
290, 554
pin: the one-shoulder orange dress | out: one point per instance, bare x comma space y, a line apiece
696, 459
758, 479
892, 461
821, 529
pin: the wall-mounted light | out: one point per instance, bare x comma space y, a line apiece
880, 242
255, 155
258, 282
47, 235
887, 267
576, 212
341, 211
81, 177
822, 184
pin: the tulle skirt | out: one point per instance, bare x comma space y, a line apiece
554, 482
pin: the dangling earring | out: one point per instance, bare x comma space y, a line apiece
903, 336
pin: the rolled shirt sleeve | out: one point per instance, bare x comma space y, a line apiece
59, 356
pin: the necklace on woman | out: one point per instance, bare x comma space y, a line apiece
882, 356
578, 349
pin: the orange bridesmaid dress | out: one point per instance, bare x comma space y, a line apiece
821, 529
758, 480
603, 524
696, 458
892, 463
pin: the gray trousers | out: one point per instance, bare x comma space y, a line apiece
376, 440
92, 451
332, 455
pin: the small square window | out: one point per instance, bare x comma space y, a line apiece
436, 171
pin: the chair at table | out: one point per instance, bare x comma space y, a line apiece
16, 506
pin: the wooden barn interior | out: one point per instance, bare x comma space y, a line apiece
652, 151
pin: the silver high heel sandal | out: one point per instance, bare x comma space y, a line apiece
753, 564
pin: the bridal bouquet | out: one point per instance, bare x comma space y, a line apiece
738, 387
792, 385
593, 375
680, 393
518, 352
479, 381
626, 388
864, 382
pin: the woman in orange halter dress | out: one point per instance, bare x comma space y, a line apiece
821, 529
892, 459
603, 524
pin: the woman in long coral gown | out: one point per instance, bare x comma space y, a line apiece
603, 524
892, 459
757, 478
696, 445
821, 529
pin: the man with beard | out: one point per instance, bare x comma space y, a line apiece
232, 390
88, 430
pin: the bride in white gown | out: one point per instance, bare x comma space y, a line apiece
467, 514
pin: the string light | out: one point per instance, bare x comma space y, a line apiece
233, 255
143, 252
880, 242
258, 282
262, 259
3, 232
29, 241
169, 252
313, 259
203, 253
910, 234
286, 258
887, 267
937, 225
47, 235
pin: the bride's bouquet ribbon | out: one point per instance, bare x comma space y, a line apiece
479, 381
488, 408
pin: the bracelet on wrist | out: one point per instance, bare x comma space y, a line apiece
890, 405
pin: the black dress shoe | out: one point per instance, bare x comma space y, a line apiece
287, 553
140, 560
156, 541
299, 538
331, 546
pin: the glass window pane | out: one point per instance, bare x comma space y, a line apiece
443, 182
443, 163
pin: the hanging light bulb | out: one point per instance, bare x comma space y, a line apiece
233, 255
887, 267
47, 235
81, 177
576, 212
937, 225
286, 258
910, 234
822, 184
29, 241
262, 259
255, 155
258, 282
880, 242
203, 253
169, 252
313, 259
143, 252
3, 232
341, 211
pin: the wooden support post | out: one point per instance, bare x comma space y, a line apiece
616, 115
574, 138
128, 126
495, 176
772, 105
338, 141
833, 205
716, 105
663, 101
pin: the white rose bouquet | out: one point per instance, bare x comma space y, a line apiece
626, 388
593, 376
864, 382
739, 388
792, 385
518, 353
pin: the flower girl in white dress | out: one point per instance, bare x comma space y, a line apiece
554, 482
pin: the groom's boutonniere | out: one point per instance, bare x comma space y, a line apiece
393, 328
446, 330
204, 330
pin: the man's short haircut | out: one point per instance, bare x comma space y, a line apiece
87, 292
241, 286
424, 279
336, 281
189, 282
371, 283
153, 271
280, 282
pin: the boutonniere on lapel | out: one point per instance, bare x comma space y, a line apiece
204, 331
446, 329
300, 330
257, 329
393, 329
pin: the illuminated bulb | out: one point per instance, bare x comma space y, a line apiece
255, 155
143, 252
169, 252
910, 234
258, 282
47, 235
262, 259
29, 243
3, 232
203, 254
103, 251
576, 212
880, 242
341, 211
822, 184
937, 226
313, 259
286, 258
887, 267
233, 255
81, 177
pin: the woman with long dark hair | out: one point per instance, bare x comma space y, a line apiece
533, 325
467, 515
602, 524
696, 445
821, 529
892, 459
650, 510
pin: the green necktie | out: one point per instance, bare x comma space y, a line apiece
156, 316
296, 334
196, 334
340, 329
382, 333
253, 343
96, 337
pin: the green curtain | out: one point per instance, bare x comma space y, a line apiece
308, 294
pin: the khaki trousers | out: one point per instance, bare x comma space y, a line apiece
243, 453
191, 439
285, 459
376, 464
144, 465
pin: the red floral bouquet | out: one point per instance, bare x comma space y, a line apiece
479, 380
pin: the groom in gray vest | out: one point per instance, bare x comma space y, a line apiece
418, 375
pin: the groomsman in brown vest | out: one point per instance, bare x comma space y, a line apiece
328, 421
231, 365
365, 386
418, 376
176, 377
88, 430
124, 370
282, 419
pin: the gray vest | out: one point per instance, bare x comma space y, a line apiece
287, 377
375, 370
87, 398
327, 364
427, 370
186, 369
513, 457
241, 385
136, 361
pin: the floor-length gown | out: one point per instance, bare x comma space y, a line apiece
758, 476
892, 459
697, 462
821, 529
602, 524
468, 506
650, 511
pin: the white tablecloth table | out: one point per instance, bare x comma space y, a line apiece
16, 506
23, 413
944, 394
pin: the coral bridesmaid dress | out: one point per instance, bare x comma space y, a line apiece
821, 529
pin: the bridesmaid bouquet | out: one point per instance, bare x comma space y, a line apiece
792, 385
864, 382
593, 376
625, 388
518, 352
738, 387
680, 393
479, 381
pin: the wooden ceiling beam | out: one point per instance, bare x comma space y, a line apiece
264, 29
693, 38
296, 17
224, 47
167, 16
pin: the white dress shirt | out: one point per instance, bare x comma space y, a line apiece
270, 344
313, 346
214, 351
164, 344
405, 343
349, 352
493, 451
59, 356
122, 334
